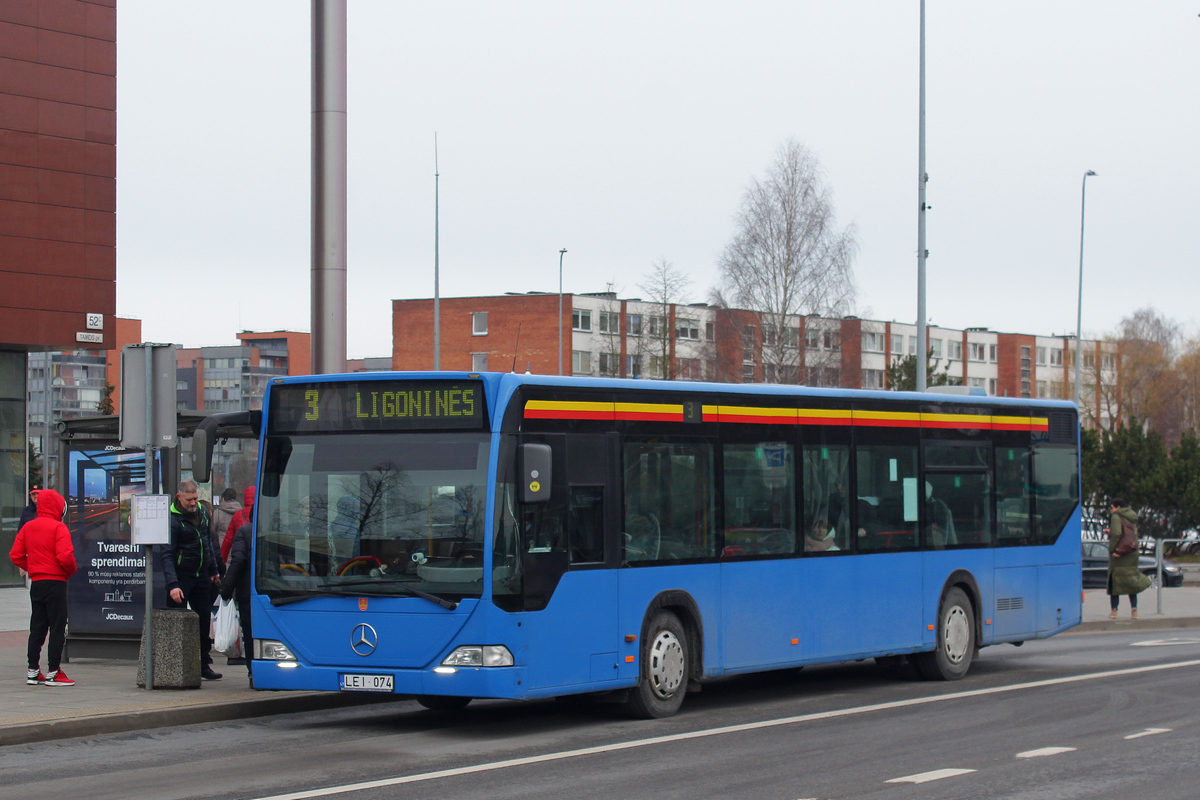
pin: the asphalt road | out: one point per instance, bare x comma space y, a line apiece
1083, 716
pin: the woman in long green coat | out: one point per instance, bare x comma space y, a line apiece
1124, 577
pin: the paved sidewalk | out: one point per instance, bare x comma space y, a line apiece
107, 699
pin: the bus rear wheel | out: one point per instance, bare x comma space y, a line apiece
955, 640
443, 703
664, 669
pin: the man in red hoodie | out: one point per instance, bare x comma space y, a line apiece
43, 549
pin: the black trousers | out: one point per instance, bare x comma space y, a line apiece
199, 595
247, 636
48, 613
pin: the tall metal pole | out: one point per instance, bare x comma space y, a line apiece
328, 186
437, 299
922, 253
561, 253
148, 354
1079, 313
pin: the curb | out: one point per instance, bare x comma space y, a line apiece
1149, 622
126, 722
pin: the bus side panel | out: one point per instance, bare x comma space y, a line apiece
939, 566
763, 614
1060, 595
640, 585
861, 604
574, 639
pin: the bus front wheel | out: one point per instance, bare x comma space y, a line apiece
443, 702
663, 673
955, 640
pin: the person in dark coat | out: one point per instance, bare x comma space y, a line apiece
43, 548
1124, 577
244, 515
190, 567
235, 585
30, 511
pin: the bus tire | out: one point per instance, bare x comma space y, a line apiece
436, 702
664, 669
955, 640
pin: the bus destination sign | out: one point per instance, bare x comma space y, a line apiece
377, 406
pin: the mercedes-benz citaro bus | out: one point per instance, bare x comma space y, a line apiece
458, 535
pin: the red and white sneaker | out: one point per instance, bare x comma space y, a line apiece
34, 677
58, 678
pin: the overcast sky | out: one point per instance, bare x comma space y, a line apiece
627, 132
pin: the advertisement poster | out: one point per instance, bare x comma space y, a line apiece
107, 594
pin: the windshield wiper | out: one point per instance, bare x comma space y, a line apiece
308, 594
400, 584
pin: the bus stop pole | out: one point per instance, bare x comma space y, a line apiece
148, 354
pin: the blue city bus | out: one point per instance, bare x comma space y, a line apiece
453, 536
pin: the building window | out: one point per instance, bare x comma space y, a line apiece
1089, 360
581, 362
689, 369
581, 320
610, 322
935, 348
634, 324
912, 345
633, 366
479, 323
747, 373
791, 338
975, 351
832, 340
608, 364
812, 338
992, 355
479, 362
1108, 362
1041, 358
748, 343
872, 379
1043, 389
955, 350
897, 344
656, 326
687, 329
709, 331
992, 386
1056, 357
976, 383
872, 342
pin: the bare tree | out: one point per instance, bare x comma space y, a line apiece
788, 258
1148, 344
664, 287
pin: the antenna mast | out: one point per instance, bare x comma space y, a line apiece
437, 303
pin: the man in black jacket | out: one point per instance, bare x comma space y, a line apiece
190, 568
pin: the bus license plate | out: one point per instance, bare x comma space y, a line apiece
366, 683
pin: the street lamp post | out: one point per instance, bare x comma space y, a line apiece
1079, 314
561, 253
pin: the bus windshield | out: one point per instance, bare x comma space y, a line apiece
372, 513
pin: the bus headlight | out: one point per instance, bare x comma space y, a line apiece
474, 655
271, 650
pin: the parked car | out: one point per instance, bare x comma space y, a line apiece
1095, 567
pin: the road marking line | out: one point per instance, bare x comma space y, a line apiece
1045, 751
702, 734
1148, 732
1164, 642
935, 775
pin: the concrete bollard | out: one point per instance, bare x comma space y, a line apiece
176, 650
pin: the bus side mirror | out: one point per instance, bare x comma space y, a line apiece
535, 473
202, 452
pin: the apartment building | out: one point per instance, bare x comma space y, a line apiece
604, 335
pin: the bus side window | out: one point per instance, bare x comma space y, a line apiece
585, 524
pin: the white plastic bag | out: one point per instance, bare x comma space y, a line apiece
227, 631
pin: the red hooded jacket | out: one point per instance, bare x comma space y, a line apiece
43, 545
243, 516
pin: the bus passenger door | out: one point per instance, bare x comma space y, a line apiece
570, 619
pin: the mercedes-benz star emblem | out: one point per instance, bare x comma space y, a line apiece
363, 639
